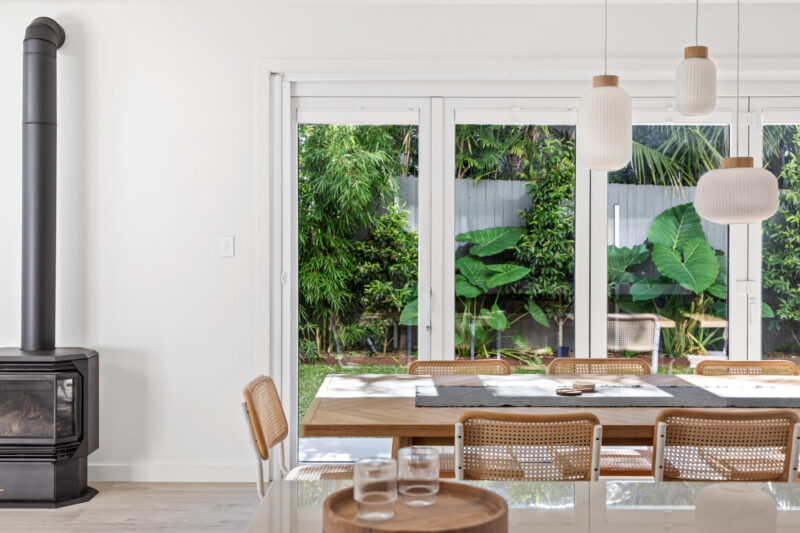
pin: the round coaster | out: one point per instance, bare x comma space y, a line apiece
568, 392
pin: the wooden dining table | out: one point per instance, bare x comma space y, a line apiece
383, 405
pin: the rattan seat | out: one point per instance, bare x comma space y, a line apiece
506, 446
703, 445
495, 367
747, 368
600, 366
269, 428
320, 472
617, 461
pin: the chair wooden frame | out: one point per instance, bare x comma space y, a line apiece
268, 427
494, 367
595, 444
791, 446
602, 366
766, 368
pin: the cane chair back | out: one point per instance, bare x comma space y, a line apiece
747, 368
505, 446
631, 332
268, 427
495, 367
611, 365
703, 445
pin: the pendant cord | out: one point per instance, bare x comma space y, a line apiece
697, 23
738, 59
605, 38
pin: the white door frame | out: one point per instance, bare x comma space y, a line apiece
762, 111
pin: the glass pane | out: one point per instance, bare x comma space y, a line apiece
358, 263
780, 335
667, 267
515, 242
26, 408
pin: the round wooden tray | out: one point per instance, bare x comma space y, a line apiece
459, 508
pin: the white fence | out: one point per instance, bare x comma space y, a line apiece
488, 204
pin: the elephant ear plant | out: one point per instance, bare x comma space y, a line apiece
689, 278
482, 277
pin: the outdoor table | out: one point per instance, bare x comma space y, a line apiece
554, 507
384, 405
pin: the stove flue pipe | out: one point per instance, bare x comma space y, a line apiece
42, 38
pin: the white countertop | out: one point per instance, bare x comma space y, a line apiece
552, 507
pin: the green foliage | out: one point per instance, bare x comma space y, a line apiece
354, 252
673, 155
491, 241
691, 278
782, 242
548, 246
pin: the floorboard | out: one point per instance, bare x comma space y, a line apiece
123, 507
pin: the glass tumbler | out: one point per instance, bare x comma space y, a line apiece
418, 475
375, 488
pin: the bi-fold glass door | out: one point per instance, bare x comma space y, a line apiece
435, 228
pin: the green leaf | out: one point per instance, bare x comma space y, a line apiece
766, 311
465, 289
676, 226
491, 241
475, 271
694, 266
718, 291
537, 313
495, 319
505, 274
620, 259
648, 289
408, 317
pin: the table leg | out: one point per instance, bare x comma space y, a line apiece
399, 442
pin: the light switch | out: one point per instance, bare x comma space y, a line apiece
226, 246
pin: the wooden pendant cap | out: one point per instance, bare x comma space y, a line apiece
737, 162
695, 51
605, 80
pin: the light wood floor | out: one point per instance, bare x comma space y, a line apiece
178, 507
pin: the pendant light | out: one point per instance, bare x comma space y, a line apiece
605, 129
696, 77
737, 193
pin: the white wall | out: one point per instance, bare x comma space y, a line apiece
158, 157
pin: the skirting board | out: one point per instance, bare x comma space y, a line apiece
194, 473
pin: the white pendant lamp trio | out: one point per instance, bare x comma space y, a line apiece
737, 193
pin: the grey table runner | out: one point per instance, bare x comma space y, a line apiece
606, 396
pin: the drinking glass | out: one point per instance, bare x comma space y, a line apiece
418, 475
375, 487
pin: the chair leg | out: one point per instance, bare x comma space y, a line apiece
596, 445
459, 452
259, 462
658, 463
656, 346
793, 459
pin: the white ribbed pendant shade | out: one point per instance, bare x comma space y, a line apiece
605, 128
737, 193
696, 83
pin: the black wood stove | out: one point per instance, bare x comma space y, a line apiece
48, 395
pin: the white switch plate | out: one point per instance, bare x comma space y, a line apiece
226, 246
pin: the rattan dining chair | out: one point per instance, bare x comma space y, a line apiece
752, 368
614, 461
268, 428
506, 446
601, 366
494, 367
704, 445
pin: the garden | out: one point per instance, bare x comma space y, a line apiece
358, 244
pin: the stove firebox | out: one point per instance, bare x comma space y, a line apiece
48, 395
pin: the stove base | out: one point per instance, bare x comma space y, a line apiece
87, 495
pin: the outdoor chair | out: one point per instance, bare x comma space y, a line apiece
600, 366
268, 428
702, 445
494, 367
751, 368
635, 333
523, 447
